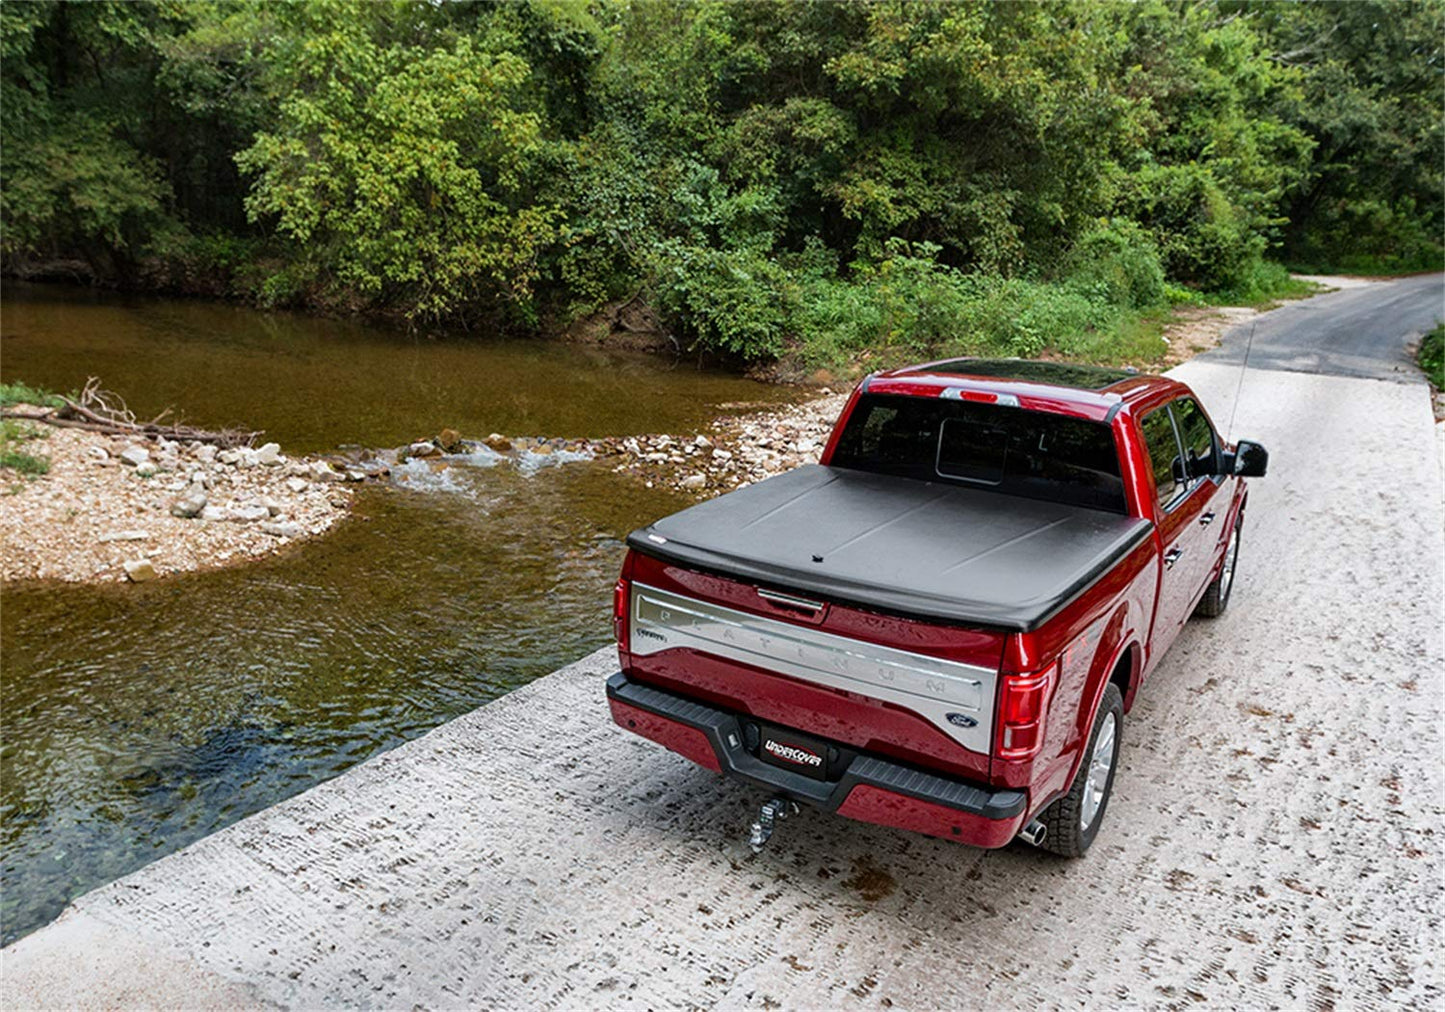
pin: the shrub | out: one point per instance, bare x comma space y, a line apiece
1119, 263
728, 300
1432, 356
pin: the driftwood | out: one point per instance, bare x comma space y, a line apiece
97, 410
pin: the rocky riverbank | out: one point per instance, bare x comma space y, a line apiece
735, 451
112, 509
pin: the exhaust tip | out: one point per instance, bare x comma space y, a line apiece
1033, 834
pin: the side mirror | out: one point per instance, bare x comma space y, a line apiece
1249, 460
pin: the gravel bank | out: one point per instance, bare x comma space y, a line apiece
113, 509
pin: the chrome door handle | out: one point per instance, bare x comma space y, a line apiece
1171, 557
1206, 519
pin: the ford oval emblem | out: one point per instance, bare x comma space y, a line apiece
962, 720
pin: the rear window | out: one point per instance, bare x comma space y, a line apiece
1002, 449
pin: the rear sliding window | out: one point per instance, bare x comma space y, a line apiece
985, 446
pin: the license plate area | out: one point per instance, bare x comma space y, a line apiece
800, 753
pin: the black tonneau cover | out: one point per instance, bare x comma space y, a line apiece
900, 545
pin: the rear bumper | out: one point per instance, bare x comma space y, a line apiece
871, 789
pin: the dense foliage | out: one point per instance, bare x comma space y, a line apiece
845, 177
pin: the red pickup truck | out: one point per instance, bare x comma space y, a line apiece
941, 625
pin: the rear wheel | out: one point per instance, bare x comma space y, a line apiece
1072, 822
1216, 596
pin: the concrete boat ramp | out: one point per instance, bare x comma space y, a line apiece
1273, 839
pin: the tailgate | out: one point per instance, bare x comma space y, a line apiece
921, 691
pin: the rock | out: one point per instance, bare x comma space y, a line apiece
542, 448
423, 449
450, 440
498, 442
249, 458
139, 570
205, 453
215, 514
272, 506
321, 470
134, 456
228, 457
269, 455
721, 455
249, 513
702, 441
694, 482
124, 536
146, 469
297, 485
189, 505
352, 474
282, 530
99, 454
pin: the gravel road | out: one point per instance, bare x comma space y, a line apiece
1274, 838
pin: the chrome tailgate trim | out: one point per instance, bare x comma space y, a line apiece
934, 688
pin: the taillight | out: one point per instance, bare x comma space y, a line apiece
1022, 700
621, 597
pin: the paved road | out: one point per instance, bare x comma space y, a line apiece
1362, 331
1275, 836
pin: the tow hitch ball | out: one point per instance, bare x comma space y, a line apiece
772, 812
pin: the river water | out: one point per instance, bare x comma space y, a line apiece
137, 719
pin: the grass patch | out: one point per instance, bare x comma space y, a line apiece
13, 437
12, 394
1431, 356
1261, 285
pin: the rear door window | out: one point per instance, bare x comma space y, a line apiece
1164, 456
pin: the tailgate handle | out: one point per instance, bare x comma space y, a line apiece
1206, 519
1171, 557
789, 601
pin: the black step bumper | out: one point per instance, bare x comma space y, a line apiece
881, 778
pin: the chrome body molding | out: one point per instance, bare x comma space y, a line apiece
929, 686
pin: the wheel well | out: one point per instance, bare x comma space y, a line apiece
1123, 674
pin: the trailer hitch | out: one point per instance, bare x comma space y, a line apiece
772, 812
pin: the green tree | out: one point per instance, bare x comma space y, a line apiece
400, 159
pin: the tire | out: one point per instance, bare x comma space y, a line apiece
1072, 822
1216, 595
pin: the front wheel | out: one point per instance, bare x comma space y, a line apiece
1216, 595
1072, 822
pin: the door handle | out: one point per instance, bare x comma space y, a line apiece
1206, 519
1171, 557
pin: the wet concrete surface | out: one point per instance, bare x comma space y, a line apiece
1273, 840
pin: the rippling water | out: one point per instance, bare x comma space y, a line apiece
137, 719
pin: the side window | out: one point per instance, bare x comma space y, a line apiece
1195, 433
1163, 447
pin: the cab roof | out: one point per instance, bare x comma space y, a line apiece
1085, 391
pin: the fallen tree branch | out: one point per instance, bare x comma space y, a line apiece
225, 438
97, 410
